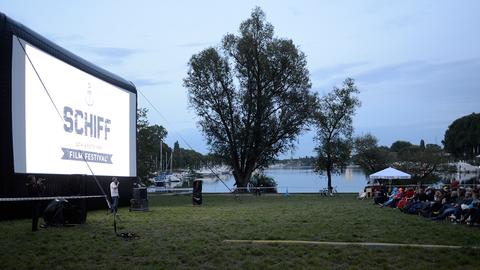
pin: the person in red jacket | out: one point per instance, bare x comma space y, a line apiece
454, 184
406, 198
409, 193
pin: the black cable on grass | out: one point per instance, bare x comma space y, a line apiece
125, 235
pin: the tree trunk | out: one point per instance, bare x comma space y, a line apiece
329, 177
241, 180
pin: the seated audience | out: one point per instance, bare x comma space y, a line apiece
458, 204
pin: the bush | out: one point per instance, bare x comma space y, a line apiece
267, 183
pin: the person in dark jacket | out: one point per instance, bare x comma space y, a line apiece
35, 189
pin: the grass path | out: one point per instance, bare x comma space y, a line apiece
329, 243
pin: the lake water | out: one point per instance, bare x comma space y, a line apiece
299, 180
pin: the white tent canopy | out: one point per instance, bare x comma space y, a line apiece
390, 173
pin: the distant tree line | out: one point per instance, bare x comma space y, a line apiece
421, 161
297, 162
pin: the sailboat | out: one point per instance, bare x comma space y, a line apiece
165, 178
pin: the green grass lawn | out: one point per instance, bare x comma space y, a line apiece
175, 235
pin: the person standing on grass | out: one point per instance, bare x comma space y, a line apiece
114, 193
35, 188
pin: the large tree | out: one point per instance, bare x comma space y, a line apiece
370, 156
334, 128
186, 158
399, 146
462, 138
252, 95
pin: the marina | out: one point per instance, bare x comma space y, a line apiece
297, 180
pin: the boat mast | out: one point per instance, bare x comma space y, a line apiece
171, 161
166, 160
161, 164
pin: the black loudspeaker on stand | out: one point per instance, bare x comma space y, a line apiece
139, 202
197, 192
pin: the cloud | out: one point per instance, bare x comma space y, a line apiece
109, 55
408, 73
66, 38
401, 21
325, 77
409, 100
150, 82
195, 44
110, 51
388, 72
417, 99
337, 70
295, 11
418, 72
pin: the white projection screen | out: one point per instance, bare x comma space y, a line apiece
78, 121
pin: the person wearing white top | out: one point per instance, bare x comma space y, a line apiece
114, 193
